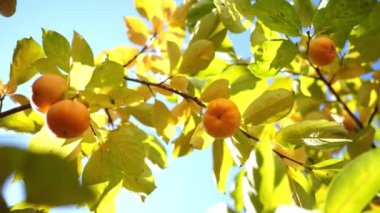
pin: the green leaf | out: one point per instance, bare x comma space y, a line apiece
26, 53
365, 35
8, 7
271, 182
243, 145
106, 77
271, 106
143, 112
306, 10
317, 134
238, 193
230, 16
81, 51
354, 187
46, 66
197, 11
340, 16
202, 51
50, 180
303, 192
279, 16
57, 48
20, 122
223, 162
156, 152
126, 149
100, 168
174, 54
142, 185
12, 159
272, 56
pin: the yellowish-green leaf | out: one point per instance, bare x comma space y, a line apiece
81, 51
156, 152
174, 54
142, 185
80, 75
355, 186
8, 7
230, 16
182, 144
127, 150
106, 195
304, 194
164, 121
143, 112
197, 11
26, 53
197, 57
269, 107
362, 142
46, 66
279, 15
106, 77
138, 32
306, 10
217, 89
238, 193
272, 56
57, 48
271, 182
122, 55
148, 8
200, 139
222, 163
243, 147
318, 134
20, 122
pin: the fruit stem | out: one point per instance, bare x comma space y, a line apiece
15, 110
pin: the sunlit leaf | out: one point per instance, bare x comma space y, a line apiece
230, 16
148, 9
46, 66
200, 139
347, 192
163, 119
279, 16
127, 150
8, 7
222, 163
156, 152
201, 51
272, 56
142, 185
217, 89
81, 50
237, 194
366, 34
138, 32
340, 16
271, 182
20, 122
269, 107
57, 48
80, 75
25, 54
107, 76
318, 134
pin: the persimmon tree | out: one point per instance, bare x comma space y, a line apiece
309, 110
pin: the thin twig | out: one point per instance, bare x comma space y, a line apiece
145, 48
373, 115
331, 89
163, 86
15, 110
291, 159
248, 135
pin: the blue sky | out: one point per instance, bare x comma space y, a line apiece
187, 185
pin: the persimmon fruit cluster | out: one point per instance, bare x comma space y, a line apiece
65, 118
322, 51
222, 118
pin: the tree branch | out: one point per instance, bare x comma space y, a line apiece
163, 86
291, 159
331, 89
15, 110
145, 48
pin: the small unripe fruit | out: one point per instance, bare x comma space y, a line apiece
68, 119
47, 90
322, 51
222, 118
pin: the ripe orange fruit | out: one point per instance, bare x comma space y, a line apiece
68, 119
322, 51
47, 90
222, 118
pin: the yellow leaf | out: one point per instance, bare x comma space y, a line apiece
179, 83
122, 55
200, 139
197, 56
217, 89
138, 32
174, 54
223, 162
163, 119
80, 75
149, 8
178, 18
